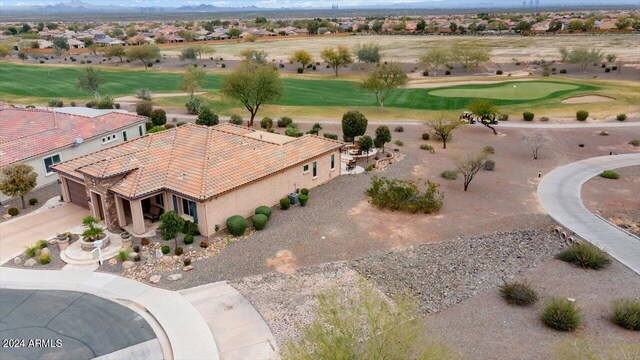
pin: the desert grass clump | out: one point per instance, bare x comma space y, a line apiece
123, 254
518, 293
449, 174
626, 313
585, 255
610, 174
562, 314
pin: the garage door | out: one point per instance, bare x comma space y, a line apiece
77, 194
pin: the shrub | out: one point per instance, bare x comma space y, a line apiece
44, 259
41, 244
582, 115
626, 313
144, 108
448, 72
489, 165
427, 147
186, 262
171, 224
137, 258
503, 117
158, 117
449, 174
144, 241
304, 191
188, 239
156, 129
259, 221
13, 211
635, 142
180, 123
236, 225
193, 106
607, 70
528, 116
266, 123
425, 73
518, 293
190, 228
123, 254
488, 149
136, 248
31, 251
399, 142
369, 167
303, 199
563, 71
207, 117
236, 119
165, 249
425, 136
621, 117
264, 210
178, 251
148, 125
330, 136
300, 70
284, 122
399, 129
285, 203
33, 201
544, 119
404, 195
499, 72
610, 174
585, 255
604, 133
561, 314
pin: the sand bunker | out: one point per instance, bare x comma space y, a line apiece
587, 99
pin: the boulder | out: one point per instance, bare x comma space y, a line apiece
45, 251
128, 265
113, 261
187, 268
30, 263
133, 254
174, 277
17, 260
155, 279
166, 259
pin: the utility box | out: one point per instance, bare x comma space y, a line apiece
294, 198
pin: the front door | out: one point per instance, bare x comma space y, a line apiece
99, 206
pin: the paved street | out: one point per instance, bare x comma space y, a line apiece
77, 326
559, 194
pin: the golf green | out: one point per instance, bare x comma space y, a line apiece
524, 90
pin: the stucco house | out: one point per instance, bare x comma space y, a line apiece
205, 174
42, 138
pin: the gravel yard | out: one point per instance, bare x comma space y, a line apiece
43, 194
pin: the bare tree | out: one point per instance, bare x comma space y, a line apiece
535, 142
443, 124
469, 166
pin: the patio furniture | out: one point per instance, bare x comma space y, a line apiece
154, 213
351, 164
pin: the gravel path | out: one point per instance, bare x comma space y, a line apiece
443, 274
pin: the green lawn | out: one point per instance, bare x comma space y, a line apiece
40, 83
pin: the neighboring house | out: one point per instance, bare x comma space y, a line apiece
42, 138
206, 174
75, 44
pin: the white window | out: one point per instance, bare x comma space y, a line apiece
315, 170
333, 161
110, 138
48, 161
305, 169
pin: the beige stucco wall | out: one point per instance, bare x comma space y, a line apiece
268, 191
70, 152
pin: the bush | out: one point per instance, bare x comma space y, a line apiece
582, 115
425, 136
259, 221
607, 70
41, 244
398, 129
148, 125
635, 142
300, 70
449, 174
427, 147
330, 136
561, 314
44, 259
33, 201
399, 142
188, 239
370, 167
186, 262
528, 116
13, 211
180, 123
499, 72
284, 122
425, 73
626, 313
266, 123
158, 117
488, 149
178, 251
31, 251
285, 203
303, 199
137, 258
404, 195
544, 119
621, 117
610, 174
193, 106
207, 117
448, 72
304, 191
503, 117
489, 165
144, 241
264, 210
236, 119
236, 225
144, 108
156, 129
604, 133
165, 249
585, 255
518, 293
123, 254
136, 248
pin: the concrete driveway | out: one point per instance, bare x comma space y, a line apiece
17, 234
71, 325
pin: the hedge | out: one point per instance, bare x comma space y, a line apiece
259, 221
264, 210
236, 225
303, 199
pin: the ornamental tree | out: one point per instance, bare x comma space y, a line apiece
18, 180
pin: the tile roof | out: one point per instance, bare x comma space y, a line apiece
29, 132
196, 161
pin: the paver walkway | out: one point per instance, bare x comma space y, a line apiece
559, 193
239, 330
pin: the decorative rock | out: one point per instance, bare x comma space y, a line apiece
17, 260
187, 268
128, 264
113, 261
167, 259
174, 277
155, 279
30, 263
132, 254
158, 254
6, 216
45, 251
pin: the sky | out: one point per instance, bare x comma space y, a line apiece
321, 3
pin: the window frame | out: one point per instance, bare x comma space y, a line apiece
124, 136
314, 167
107, 139
333, 162
305, 169
44, 162
140, 130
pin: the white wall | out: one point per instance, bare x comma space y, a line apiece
70, 152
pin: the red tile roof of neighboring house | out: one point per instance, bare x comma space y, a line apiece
196, 161
29, 132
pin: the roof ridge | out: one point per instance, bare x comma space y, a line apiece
205, 169
170, 161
